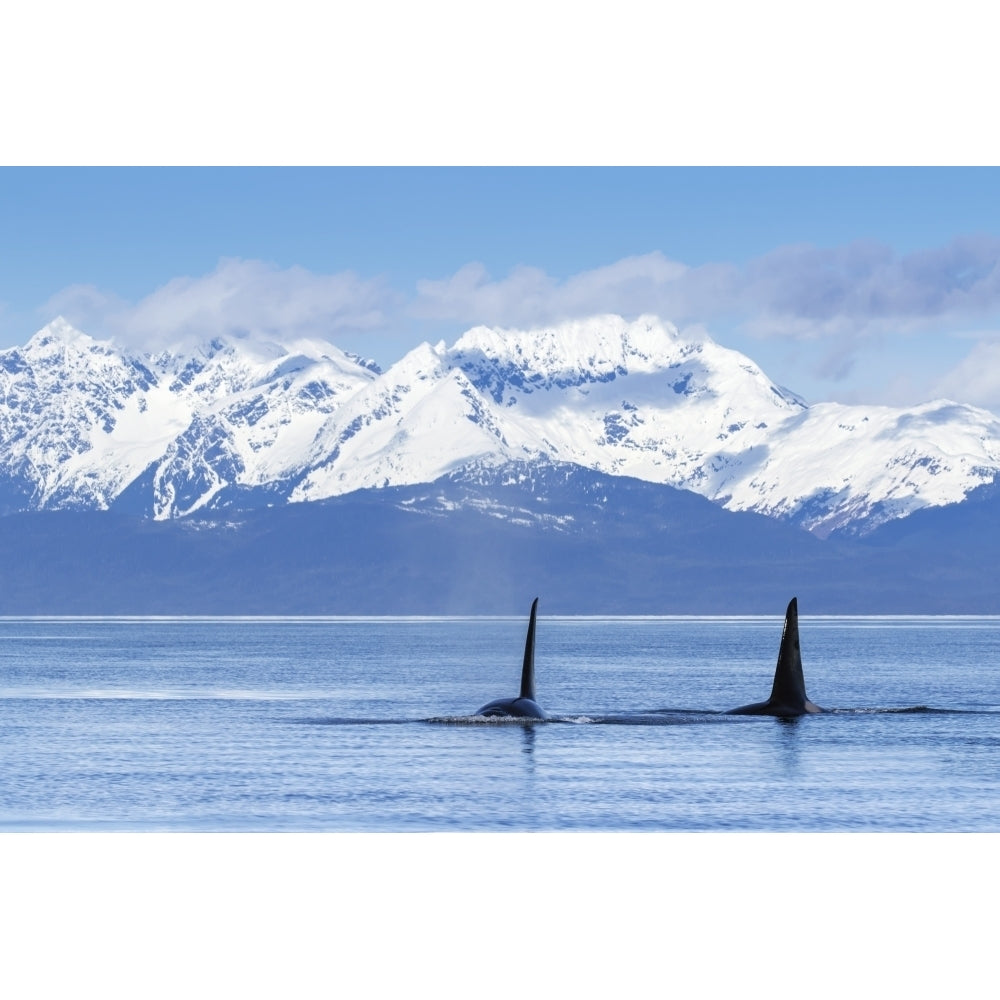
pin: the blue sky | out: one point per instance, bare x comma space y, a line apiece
856, 284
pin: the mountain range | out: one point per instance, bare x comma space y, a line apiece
626, 466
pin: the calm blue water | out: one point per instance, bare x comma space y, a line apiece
357, 725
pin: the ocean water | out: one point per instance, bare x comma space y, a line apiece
364, 725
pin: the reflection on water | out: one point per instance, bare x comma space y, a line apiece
788, 730
528, 746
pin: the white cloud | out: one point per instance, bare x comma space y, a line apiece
867, 288
87, 308
240, 297
798, 292
528, 296
976, 379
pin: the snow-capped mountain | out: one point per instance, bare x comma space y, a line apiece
638, 399
421, 419
82, 421
239, 422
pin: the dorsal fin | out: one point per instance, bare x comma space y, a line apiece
528, 670
789, 685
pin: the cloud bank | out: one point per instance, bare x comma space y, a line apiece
239, 298
800, 292
975, 379
836, 303
833, 302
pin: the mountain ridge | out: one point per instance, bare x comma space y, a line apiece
238, 421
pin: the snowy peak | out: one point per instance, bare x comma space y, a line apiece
634, 399
417, 422
60, 347
511, 364
570, 354
599, 344
839, 467
84, 420
55, 336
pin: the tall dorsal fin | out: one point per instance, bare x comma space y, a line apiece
528, 670
789, 685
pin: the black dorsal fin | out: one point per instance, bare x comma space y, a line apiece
789, 685
528, 670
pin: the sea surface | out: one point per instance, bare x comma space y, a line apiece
368, 725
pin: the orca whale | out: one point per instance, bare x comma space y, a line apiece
788, 693
524, 705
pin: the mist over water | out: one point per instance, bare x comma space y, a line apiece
364, 724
